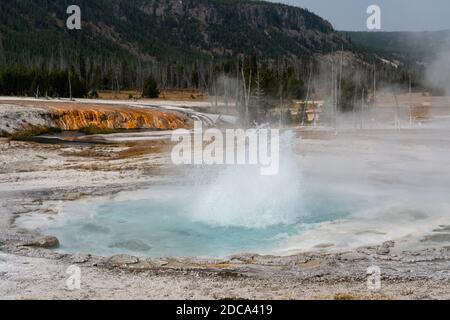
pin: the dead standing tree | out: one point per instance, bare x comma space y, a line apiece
259, 94
247, 94
305, 108
70, 85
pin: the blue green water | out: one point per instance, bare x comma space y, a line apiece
162, 225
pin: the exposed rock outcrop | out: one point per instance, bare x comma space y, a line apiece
31, 118
47, 242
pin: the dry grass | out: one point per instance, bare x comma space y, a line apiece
183, 95
122, 95
355, 297
93, 152
421, 112
171, 95
139, 149
121, 151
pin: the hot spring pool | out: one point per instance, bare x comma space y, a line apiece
214, 212
164, 223
211, 212
373, 192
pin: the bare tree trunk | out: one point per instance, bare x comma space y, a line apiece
226, 93
247, 91
216, 102
397, 118
334, 94
259, 94
355, 93
410, 103
307, 99
61, 57
281, 105
374, 84
2, 52
338, 102
362, 110
70, 86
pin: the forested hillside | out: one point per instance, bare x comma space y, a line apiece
181, 43
158, 29
138, 44
410, 47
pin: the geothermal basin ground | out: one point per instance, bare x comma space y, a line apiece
140, 227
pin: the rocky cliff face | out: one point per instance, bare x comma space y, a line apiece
34, 118
261, 26
254, 13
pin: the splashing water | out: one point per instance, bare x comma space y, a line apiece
241, 197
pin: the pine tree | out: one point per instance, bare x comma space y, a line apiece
150, 88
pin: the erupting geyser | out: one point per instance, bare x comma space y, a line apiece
240, 196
